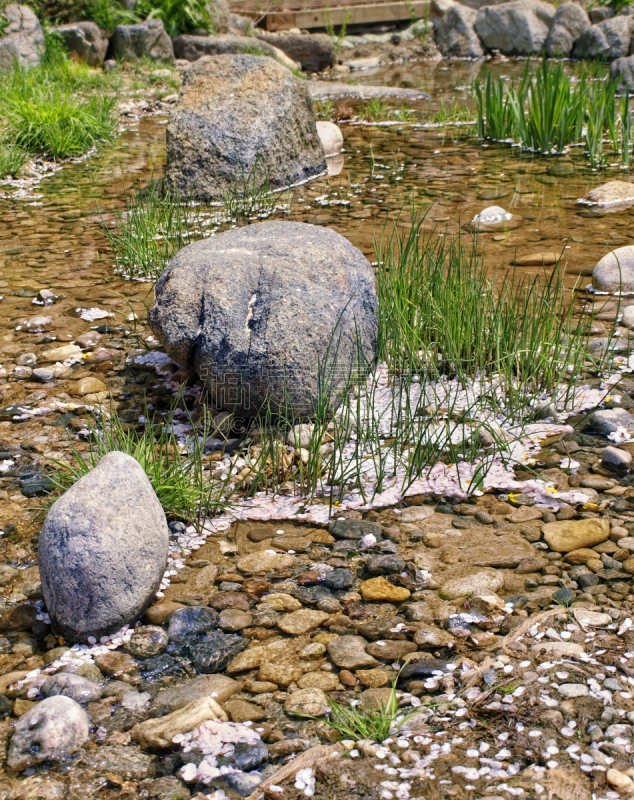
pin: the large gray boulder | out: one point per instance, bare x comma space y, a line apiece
313, 52
515, 29
569, 22
103, 550
607, 41
268, 312
85, 40
615, 271
241, 119
23, 39
52, 729
455, 33
145, 40
191, 47
623, 69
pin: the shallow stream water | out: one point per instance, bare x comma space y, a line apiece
51, 239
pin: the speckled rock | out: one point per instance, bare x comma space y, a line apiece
487, 580
349, 652
302, 621
307, 701
215, 651
264, 561
243, 711
146, 641
615, 271
219, 687
103, 550
74, 686
52, 729
241, 117
212, 315
326, 681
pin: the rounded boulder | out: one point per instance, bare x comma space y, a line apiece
276, 312
615, 271
103, 550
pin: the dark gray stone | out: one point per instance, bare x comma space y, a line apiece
623, 68
246, 757
585, 581
215, 651
52, 729
339, 579
270, 307
187, 622
310, 595
569, 22
240, 119
455, 34
515, 29
103, 550
354, 529
79, 689
23, 39
606, 41
145, 40
424, 668
239, 783
85, 40
313, 52
564, 596
385, 565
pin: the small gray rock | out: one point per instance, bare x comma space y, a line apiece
52, 729
147, 641
103, 550
606, 41
147, 39
70, 685
570, 690
85, 40
623, 68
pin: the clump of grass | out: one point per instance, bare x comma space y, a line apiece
442, 315
53, 109
547, 113
12, 159
451, 114
177, 473
364, 722
337, 38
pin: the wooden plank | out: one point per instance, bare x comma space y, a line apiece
364, 14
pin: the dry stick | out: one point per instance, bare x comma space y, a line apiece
307, 759
526, 626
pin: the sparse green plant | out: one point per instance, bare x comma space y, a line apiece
109, 13
324, 109
337, 38
178, 16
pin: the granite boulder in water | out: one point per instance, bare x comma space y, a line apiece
103, 550
278, 312
241, 120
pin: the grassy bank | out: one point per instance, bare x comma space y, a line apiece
59, 109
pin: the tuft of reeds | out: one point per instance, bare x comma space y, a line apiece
546, 112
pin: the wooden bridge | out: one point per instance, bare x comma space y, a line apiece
278, 15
